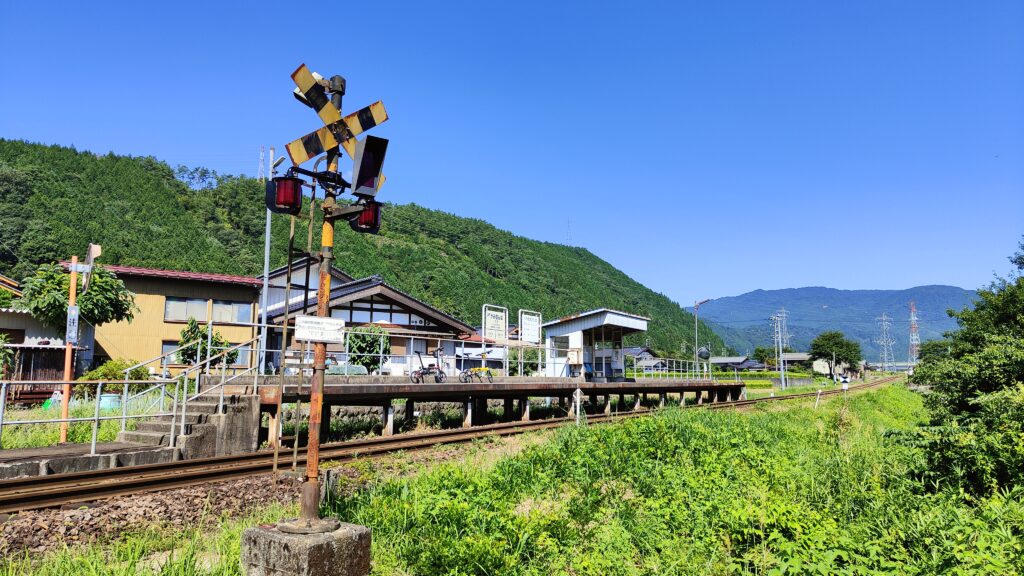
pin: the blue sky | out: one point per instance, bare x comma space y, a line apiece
705, 148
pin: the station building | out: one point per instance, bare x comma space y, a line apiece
590, 344
413, 326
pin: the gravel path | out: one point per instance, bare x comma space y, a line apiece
43, 530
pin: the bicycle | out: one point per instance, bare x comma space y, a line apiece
468, 374
417, 376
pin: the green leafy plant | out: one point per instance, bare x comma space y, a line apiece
194, 340
836, 350
45, 296
6, 298
369, 346
6, 355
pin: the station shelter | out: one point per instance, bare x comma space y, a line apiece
590, 343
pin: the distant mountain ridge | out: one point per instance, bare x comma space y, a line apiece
743, 321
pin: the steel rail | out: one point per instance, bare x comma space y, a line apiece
35, 492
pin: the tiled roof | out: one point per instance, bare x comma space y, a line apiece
183, 275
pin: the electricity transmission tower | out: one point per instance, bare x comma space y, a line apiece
779, 336
885, 341
915, 336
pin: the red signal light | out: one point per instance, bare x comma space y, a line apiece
288, 194
367, 221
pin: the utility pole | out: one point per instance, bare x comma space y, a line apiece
261, 357
69, 346
696, 306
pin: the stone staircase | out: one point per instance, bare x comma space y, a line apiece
207, 432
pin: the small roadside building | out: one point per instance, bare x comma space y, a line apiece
590, 343
38, 349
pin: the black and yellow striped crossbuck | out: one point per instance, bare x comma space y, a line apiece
338, 130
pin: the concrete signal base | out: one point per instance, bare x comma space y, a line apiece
267, 551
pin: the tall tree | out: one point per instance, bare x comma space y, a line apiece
45, 296
835, 349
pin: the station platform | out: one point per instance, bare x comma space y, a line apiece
370, 390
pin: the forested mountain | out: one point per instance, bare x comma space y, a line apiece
743, 323
55, 200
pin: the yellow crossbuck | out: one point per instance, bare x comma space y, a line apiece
338, 130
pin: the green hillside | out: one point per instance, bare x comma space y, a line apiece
55, 200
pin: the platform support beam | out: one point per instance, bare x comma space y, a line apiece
700, 397
639, 402
662, 398
524, 409
388, 418
273, 426
509, 412
410, 412
467, 413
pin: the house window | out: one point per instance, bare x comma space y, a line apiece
561, 346
401, 319
225, 312
243, 356
181, 309
381, 316
360, 316
165, 348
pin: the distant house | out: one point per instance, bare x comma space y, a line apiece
638, 352
651, 365
729, 362
38, 349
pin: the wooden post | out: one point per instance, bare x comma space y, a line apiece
524, 408
65, 401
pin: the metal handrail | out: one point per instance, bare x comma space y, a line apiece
95, 419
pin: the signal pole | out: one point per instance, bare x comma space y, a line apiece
65, 399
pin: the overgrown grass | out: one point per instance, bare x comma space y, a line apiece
786, 489
697, 492
41, 435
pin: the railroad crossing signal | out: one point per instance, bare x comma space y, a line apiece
284, 194
337, 131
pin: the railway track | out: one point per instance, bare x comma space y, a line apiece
30, 493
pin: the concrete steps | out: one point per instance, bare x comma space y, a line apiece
208, 430
145, 438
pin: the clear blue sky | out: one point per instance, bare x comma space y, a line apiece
705, 148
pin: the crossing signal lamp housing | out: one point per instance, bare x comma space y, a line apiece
367, 165
367, 221
284, 195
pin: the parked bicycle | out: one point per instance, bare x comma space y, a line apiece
419, 375
468, 374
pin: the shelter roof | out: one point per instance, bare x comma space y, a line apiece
626, 322
375, 285
727, 359
796, 356
180, 275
